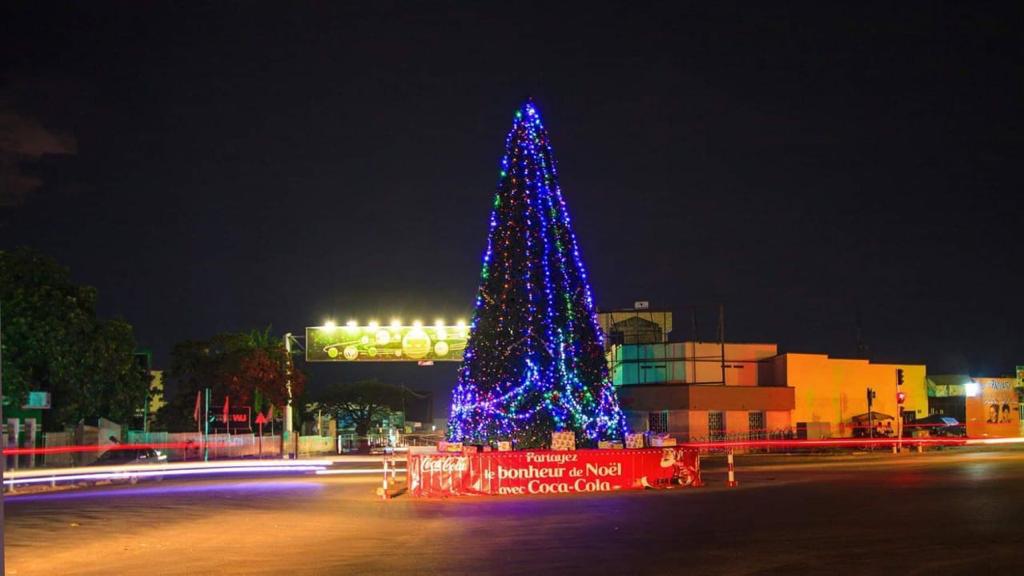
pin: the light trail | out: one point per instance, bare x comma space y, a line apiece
994, 441
110, 447
149, 470
358, 471
124, 475
850, 443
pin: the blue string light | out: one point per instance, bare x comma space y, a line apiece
535, 361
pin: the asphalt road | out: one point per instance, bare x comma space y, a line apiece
948, 513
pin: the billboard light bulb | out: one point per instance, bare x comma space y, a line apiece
396, 323
972, 389
351, 324
417, 324
329, 325
372, 325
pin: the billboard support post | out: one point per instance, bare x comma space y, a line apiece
206, 427
288, 385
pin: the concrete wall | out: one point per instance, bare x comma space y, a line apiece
698, 421
778, 420
737, 422
834, 390
705, 397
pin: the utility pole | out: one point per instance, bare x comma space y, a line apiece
3, 459
871, 419
145, 415
206, 428
288, 382
694, 340
721, 337
900, 397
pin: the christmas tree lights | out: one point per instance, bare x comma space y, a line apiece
535, 360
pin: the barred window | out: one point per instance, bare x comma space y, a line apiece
658, 422
757, 425
716, 425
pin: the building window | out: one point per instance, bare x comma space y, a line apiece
657, 422
757, 427
716, 425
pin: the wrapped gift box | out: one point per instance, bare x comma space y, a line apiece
662, 440
563, 441
504, 446
453, 447
635, 440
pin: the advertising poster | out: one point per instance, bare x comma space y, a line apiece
995, 410
551, 472
374, 343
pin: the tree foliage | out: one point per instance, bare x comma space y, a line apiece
362, 402
251, 369
53, 341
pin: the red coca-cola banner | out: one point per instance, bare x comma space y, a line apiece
551, 472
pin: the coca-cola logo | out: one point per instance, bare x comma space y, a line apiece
444, 464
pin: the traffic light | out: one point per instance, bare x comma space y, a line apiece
899, 376
901, 397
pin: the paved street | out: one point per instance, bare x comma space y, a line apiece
940, 513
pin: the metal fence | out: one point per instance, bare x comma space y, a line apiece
190, 446
375, 443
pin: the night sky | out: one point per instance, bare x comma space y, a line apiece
231, 167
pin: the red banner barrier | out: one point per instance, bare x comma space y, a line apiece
551, 472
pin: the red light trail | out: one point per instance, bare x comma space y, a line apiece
107, 447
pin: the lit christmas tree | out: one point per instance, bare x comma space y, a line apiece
535, 359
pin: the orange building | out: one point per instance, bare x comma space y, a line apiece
678, 388
833, 391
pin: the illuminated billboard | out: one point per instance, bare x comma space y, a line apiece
393, 343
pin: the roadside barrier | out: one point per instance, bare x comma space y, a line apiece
384, 485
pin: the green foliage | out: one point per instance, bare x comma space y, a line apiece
250, 368
362, 402
53, 341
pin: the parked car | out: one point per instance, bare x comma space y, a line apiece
939, 425
131, 457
